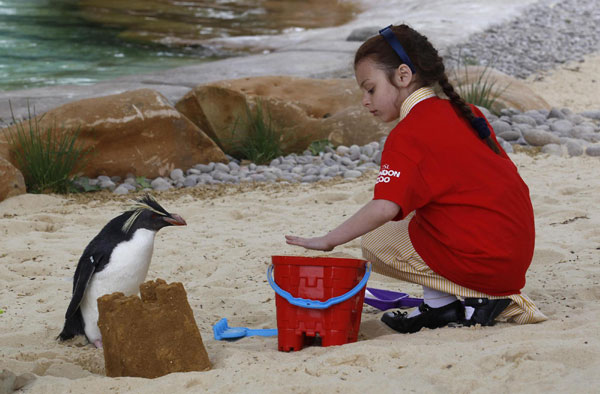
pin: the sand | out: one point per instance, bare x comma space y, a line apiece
221, 258
575, 85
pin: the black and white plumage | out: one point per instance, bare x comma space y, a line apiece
117, 259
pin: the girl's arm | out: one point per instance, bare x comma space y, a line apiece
368, 218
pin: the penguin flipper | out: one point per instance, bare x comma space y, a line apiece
87, 266
83, 275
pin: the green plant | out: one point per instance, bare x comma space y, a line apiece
318, 146
46, 157
262, 141
480, 90
143, 182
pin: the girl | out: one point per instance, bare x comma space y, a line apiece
470, 232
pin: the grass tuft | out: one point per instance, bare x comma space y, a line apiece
262, 141
46, 158
482, 91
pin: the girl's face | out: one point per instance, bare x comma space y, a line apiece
380, 96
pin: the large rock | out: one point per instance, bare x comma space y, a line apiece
152, 336
304, 109
135, 132
11, 180
512, 93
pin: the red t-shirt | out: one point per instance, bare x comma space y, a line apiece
474, 221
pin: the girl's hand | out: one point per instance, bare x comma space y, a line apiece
317, 243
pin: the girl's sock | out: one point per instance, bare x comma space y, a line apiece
435, 299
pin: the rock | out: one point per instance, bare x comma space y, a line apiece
591, 114
160, 184
121, 189
500, 126
552, 149
510, 135
538, 137
152, 336
512, 93
574, 148
304, 109
136, 132
524, 119
562, 126
177, 174
12, 182
349, 174
556, 113
593, 150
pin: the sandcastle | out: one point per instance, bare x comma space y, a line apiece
152, 336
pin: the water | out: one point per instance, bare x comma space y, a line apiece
58, 42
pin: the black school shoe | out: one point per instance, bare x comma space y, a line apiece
429, 317
486, 310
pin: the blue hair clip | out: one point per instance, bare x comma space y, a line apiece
481, 127
391, 39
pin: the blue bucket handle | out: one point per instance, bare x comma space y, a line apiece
315, 304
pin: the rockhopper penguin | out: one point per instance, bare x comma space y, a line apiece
117, 259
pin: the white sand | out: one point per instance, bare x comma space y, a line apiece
575, 85
221, 258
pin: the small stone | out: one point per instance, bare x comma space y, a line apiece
121, 189
352, 174
552, 149
233, 166
160, 184
354, 152
537, 137
205, 168
107, 184
574, 148
177, 174
556, 113
309, 178
368, 150
221, 167
524, 119
190, 181
562, 126
500, 126
591, 114
342, 150
593, 150
510, 135
193, 171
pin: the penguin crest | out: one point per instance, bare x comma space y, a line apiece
145, 203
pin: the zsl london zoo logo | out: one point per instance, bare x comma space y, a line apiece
386, 173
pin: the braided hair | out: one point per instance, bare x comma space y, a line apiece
429, 71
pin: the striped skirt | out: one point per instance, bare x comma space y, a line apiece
391, 253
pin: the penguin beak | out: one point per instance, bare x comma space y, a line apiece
175, 220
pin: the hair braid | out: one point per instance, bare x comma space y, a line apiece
467, 112
429, 70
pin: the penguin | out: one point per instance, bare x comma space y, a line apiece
117, 259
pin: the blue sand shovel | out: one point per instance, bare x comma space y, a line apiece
222, 331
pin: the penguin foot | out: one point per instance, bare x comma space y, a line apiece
98, 343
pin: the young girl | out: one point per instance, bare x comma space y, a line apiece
470, 232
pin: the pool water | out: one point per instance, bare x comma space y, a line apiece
58, 42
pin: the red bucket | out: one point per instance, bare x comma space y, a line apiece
318, 297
